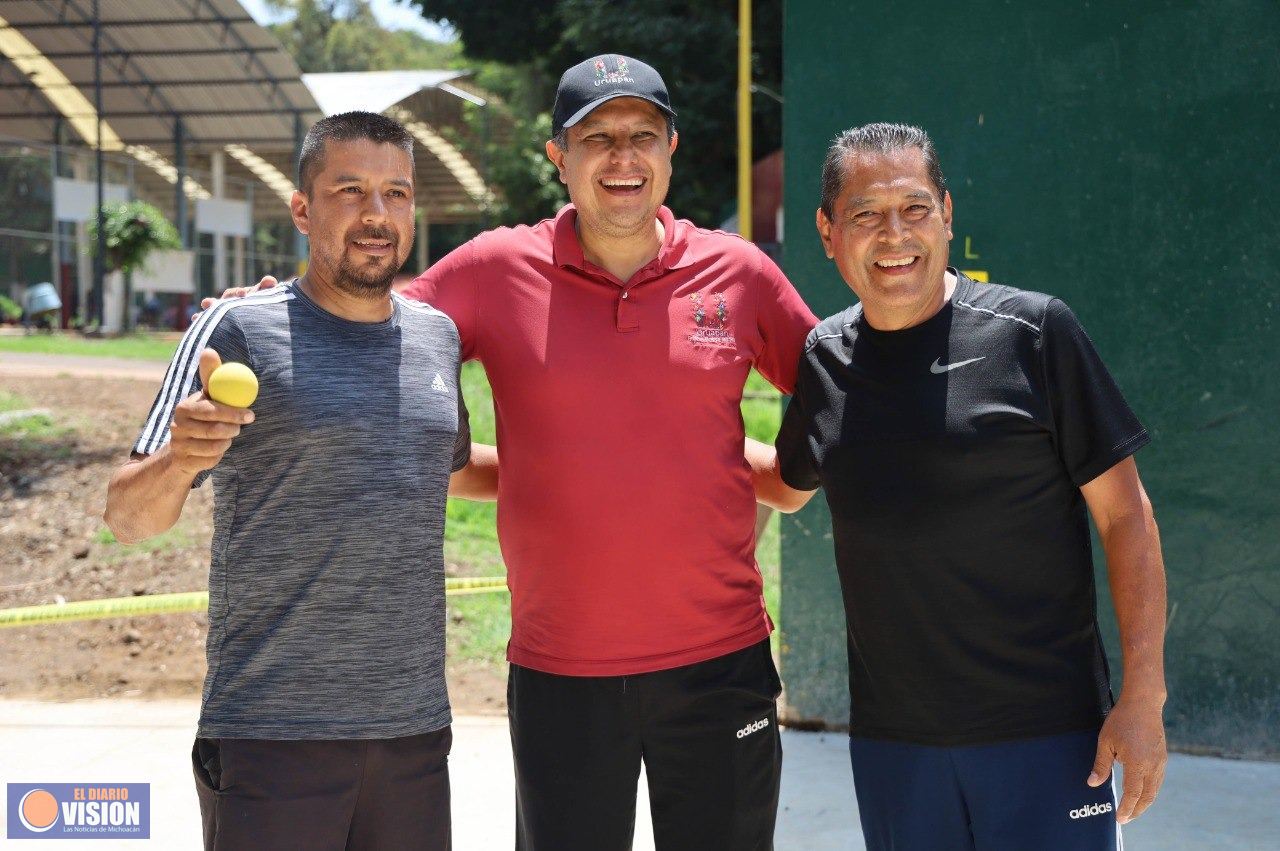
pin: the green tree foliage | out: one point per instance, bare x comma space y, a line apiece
133, 230
528, 186
344, 35
517, 49
692, 43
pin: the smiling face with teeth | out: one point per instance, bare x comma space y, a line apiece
889, 236
358, 215
616, 165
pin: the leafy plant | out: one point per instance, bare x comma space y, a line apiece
10, 310
134, 229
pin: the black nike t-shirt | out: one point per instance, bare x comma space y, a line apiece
952, 455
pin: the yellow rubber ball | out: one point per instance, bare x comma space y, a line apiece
233, 384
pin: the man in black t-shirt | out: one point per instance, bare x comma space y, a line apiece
960, 432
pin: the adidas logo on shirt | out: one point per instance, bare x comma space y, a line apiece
751, 728
1095, 810
438, 384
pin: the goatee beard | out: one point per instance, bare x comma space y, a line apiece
364, 285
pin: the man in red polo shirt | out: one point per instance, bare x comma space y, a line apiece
617, 340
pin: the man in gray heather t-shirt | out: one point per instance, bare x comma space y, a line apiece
326, 583
325, 716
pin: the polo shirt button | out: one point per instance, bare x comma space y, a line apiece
624, 293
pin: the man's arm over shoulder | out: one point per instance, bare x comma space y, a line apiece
783, 321
785, 475
477, 478
766, 479
475, 465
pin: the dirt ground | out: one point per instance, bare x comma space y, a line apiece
52, 493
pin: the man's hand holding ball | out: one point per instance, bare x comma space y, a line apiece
205, 423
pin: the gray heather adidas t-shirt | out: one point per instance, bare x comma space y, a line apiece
326, 585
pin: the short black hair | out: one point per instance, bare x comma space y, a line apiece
877, 138
347, 127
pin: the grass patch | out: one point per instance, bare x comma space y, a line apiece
471, 537
480, 624
29, 445
37, 427
177, 538
37, 436
130, 346
761, 415
12, 402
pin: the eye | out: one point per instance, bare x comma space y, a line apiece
645, 136
918, 211
865, 217
355, 189
398, 193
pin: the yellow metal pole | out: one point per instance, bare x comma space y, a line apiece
744, 118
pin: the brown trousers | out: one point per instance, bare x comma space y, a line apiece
331, 795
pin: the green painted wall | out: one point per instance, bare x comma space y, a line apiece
1122, 156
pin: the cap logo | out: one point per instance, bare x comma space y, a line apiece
620, 74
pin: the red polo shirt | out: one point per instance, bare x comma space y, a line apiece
625, 509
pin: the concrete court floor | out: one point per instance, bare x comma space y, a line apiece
1207, 803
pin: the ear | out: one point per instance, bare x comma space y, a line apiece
301, 214
675, 140
556, 154
824, 232
946, 213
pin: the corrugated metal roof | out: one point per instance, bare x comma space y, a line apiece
371, 91
206, 60
227, 78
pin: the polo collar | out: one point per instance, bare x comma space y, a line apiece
673, 254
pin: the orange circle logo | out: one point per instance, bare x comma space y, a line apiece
38, 811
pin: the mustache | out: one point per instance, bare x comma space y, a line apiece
377, 233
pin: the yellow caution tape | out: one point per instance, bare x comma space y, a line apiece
187, 601
155, 604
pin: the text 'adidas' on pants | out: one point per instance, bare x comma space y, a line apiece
707, 734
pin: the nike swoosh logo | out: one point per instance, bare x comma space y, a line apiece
937, 368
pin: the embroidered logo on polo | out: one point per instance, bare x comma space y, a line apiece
711, 328
620, 74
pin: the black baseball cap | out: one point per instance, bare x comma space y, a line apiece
588, 84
